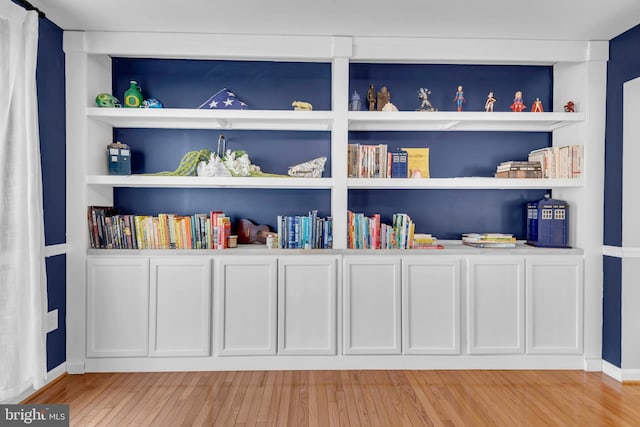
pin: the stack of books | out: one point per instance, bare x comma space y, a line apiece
519, 169
110, 230
559, 162
305, 232
370, 233
425, 241
489, 240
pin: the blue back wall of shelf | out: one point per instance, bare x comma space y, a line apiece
274, 85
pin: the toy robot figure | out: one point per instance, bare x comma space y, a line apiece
459, 98
425, 104
518, 105
537, 106
488, 105
354, 105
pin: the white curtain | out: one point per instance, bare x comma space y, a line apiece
23, 288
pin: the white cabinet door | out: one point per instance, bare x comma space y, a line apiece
246, 304
117, 306
495, 304
180, 308
554, 304
372, 305
307, 304
430, 305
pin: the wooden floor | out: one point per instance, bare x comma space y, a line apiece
347, 398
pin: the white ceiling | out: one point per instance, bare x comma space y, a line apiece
510, 19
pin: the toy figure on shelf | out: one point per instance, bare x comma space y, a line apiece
384, 97
569, 107
301, 105
423, 96
459, 98
518, 105
371, 98
537, 106
355, 104
389, 107
488, 105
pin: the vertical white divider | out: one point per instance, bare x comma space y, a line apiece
342, 51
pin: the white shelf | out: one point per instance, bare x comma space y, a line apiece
460, 121
186, 118
473, 183
149, 181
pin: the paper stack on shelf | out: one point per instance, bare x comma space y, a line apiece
489, 240
425, 241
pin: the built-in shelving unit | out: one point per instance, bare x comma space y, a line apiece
518, 291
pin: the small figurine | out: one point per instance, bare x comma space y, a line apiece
133, 96
488, 105
518, 105
301, 105
423, 96
459, 98
569, 107
107, 100
371, 98
537, 106
384, 96
355, 104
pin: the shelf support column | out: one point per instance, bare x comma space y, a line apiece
342, 51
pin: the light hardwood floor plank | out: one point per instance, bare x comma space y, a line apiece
346, 398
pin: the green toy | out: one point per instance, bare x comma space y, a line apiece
133, 96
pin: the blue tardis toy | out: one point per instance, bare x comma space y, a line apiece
119, 158
547, 223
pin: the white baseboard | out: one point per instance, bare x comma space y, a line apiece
593, 365
75, 367
52, 375
619, 374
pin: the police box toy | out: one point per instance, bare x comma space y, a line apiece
119, 157
547, 223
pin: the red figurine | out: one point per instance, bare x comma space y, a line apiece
537, 106
569, 107
518, 105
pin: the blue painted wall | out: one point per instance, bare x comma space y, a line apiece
624, 65
273, 85
50, 75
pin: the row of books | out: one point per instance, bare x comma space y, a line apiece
517, 169
108, 229
370, 233
305, 232
376, 161
489, 240
559, 162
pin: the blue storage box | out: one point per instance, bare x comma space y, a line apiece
119, 158
548, 223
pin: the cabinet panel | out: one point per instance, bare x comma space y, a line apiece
180, 307
431, 305
117, 306
307, 305
372, 305
246, 295
495, 304
554, 304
